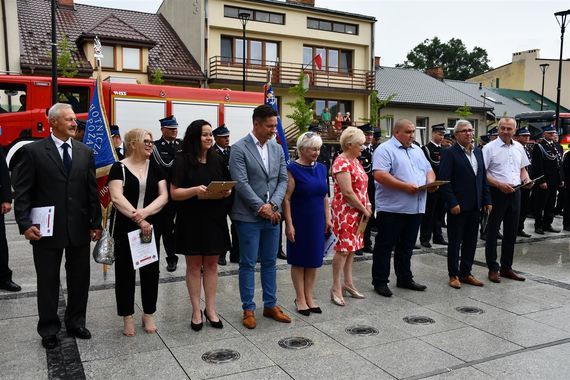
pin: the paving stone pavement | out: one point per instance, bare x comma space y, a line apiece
514, 330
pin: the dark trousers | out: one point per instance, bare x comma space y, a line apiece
462, 234
566, 214
125, 276
432, 219
48, 262
506, 208
166, 231
371, 222
525, 206
543, 205
5, 272
396, 232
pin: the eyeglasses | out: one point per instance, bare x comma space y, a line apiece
148, 142
466, 131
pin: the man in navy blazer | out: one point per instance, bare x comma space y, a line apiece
465, 195
257, 164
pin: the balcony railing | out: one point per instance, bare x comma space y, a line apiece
284, 73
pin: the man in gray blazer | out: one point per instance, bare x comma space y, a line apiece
257, 163
60, 172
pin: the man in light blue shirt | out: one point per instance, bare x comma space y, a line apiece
400, 168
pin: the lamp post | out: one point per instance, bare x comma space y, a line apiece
562, 19
243, 18
543, 68
53, 54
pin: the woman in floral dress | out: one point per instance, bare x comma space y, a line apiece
349, 205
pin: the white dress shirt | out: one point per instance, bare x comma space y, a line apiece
59, 143
263, 151
504, 162
472, 159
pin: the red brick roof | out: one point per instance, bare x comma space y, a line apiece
166, 51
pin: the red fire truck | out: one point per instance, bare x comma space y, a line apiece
24, 101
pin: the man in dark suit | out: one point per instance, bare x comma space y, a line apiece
117, 142
163, 154
432, 219
522, 135
464, 197
547, 162
6, 282
59, 172
223, 148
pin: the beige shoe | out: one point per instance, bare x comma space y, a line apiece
454, 282
277, 314
249, 319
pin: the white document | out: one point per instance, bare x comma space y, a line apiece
142, 253
329, 244
42, 217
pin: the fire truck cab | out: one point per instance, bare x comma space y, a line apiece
24, 101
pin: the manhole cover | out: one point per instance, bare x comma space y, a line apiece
418, 320
361, 330
220, 356
469, 310
295, 343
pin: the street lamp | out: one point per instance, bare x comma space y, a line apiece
563, 21
244, 18
543, 68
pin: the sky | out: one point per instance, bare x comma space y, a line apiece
502, 27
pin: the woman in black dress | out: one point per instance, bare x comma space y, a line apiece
201, 224
138, 190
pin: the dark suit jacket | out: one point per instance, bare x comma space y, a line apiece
40, 179
5, 186
469, 191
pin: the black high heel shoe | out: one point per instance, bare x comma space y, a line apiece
197, 326
217, 325
304, 312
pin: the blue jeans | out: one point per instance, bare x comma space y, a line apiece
257, 239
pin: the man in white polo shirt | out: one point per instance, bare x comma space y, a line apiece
506, 161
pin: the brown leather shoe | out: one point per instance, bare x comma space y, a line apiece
454, 282
249, 319
471, 281
494, 276
276, 313
508, 273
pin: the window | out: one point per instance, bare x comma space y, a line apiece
389, 124
255, 15
76, 96
132, 59
257, 52
334, 60
108, 61
334, 106
331, 26
496, 82
12, 98
522, 101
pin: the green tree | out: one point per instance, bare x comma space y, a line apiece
66, 66
464, 111
302, 114
157, 77
453, 56
376, 104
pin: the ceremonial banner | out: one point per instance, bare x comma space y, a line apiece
271, 100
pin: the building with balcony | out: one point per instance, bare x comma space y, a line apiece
333, 50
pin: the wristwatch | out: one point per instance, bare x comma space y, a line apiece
274, 206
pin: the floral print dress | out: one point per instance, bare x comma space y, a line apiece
346, 218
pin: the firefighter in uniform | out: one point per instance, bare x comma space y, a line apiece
522, 135
432, 220
223, 148
366, 162
547, 162
163, 154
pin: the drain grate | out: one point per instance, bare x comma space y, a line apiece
295, 343
220, 356
469, 310
418, 320
361, 330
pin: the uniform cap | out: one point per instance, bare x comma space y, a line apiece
448, 136
377, 134
366, 128
114, 130
314, 128
221, 131
549, 129
522, 132
438, 128
168, 122
485, 138
493, 131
